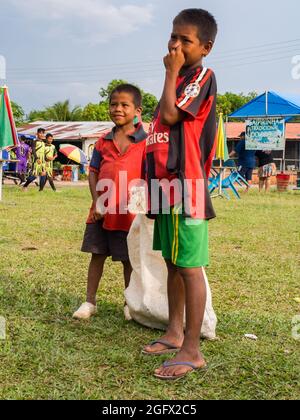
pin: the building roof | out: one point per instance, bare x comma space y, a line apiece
68, 130
93, 130
233, 130
71, 130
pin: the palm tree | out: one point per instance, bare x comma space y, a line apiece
61, 111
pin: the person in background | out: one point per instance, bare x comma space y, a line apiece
22, 154
38, 158
266, 169
246, 159
12, 166
50, 156
5, 158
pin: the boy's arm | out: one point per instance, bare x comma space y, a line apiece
144, 164
33, 151
170, 114
55, 154
93, 180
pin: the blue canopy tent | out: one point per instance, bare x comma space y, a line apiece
269, 105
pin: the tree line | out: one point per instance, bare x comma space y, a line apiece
62, 111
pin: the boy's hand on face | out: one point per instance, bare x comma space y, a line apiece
175, 60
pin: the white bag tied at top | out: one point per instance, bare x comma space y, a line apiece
146, 295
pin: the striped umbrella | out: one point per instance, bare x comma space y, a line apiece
222, 150
73, 153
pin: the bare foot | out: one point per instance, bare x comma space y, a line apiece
194, 359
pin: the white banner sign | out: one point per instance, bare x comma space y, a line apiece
265, 134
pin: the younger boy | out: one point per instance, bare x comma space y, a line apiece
50, 156
181, 147
121, 150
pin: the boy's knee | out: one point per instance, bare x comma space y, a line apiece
99, 258
190, 273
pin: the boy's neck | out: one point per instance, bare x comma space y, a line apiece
125, 129
186, 69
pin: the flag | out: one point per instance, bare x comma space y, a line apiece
222, 149
8, 132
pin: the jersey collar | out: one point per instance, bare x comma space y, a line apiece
137, 136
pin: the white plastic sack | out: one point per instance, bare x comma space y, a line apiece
146, 296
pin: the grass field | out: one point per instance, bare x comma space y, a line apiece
254, 275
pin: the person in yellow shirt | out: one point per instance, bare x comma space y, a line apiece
50, 156
38, 156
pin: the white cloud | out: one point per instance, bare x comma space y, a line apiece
93, 21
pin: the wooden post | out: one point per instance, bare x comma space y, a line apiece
284, 150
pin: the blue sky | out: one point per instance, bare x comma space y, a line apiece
59, 49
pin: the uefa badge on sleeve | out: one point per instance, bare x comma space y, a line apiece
192, 90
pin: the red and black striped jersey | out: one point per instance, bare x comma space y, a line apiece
185, 151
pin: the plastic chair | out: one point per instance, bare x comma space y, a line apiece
214, 183
237, 177
230, 163
228, 183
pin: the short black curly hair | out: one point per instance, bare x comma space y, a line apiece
202, 19
132, 90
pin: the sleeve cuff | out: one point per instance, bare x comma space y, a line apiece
91, 169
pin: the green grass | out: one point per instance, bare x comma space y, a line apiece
254, 275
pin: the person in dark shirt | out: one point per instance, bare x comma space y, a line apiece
246, 159
266, 169
22, 153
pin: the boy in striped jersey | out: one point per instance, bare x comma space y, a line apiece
180, 150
